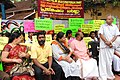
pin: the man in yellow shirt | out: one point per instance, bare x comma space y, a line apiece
41, 53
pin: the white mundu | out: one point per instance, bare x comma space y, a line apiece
70, 69
106, 53
116, 63
116, 59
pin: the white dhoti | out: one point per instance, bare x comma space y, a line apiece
116, 63
90, 68
70, 69
105, 63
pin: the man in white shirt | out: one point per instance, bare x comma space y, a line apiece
108, 33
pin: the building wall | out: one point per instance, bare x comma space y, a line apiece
104, 11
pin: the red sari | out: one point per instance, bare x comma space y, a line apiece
13, 54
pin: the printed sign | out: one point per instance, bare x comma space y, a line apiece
3, 42
29, 26
61, 9
58, 28
76, 22
43, 24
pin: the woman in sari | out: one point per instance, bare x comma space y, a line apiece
13, 54
62, 54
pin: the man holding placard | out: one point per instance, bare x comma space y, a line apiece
108, 33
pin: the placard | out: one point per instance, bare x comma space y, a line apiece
3, 42
58, 28
76, 22
43, 24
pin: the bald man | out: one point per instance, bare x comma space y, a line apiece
89, 70
108, 33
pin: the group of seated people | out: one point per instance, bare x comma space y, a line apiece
66, 58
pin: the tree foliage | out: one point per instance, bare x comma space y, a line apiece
92, 4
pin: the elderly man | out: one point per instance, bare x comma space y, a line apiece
108, 33
81, 52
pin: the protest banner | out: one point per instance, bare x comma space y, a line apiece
90, 22
100, 22
74, 30
61, 9
29, 26
48, 39
58, 28
96, 27
3, 42
97, 24
64, 30
43, 24
1, 66
87, 28
26, 36
34, 38
65, 22
76, 22
0, 25
115, 21
87, 39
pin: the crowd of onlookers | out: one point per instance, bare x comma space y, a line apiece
66, 58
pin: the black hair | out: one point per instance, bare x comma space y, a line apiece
91, 33
41, 33
96, 32
59, 35
68, 32
53, 36
6, 33
13, 36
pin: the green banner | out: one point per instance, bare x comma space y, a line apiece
1, 66
115, 21
90, 22
74, 30
76, 22
43, 24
